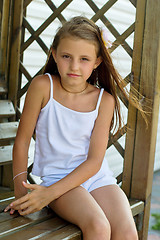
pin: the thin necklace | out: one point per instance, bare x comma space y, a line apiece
74, 92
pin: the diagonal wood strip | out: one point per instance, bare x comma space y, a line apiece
23, 70
134, 2
115, 138
26, 3
53, 8
121, 39
31, 30
119, 149
103, 10
45, 24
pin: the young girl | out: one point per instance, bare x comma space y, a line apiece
72, 107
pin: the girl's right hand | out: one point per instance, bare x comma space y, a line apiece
17, 196
8, 208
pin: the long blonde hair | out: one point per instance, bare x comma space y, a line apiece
105, 76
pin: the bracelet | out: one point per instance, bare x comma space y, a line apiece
19, 174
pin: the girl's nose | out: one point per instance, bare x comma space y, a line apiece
74, 65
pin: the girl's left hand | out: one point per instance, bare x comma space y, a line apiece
31, 202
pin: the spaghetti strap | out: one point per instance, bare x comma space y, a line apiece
99, 98
51, 82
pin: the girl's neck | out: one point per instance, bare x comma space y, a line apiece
74, 92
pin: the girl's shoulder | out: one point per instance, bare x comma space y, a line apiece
107, 102
40, 87
40, 81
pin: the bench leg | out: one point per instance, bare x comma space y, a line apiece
143, 233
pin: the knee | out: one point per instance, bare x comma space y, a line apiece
99, 227
128, 234
131, 235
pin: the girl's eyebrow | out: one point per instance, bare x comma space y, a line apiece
86, 56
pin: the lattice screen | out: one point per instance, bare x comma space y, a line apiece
43, 17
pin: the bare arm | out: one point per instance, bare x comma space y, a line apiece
27, 124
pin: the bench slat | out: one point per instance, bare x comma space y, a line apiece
5, 199
4, 217
5, 195
6, 108
38, 230
68, 232
136, 206
20, 222
8, 131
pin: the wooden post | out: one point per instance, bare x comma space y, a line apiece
13, 50
17, 16
140, 144
4, 40
132, 113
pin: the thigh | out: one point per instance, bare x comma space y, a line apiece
116, 207
78, 207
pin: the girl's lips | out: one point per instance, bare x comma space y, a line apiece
72, 75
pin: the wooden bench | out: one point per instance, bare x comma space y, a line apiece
44, 224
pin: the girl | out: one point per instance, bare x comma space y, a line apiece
72, 107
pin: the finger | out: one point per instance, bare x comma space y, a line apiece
19, 201
12, 211
27, 211
29, 186
24, 206
7, 208
20, 211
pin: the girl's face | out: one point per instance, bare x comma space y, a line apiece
76, 58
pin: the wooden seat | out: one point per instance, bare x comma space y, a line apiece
40, 225
44, 224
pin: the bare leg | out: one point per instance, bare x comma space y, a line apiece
116, 207
79, 207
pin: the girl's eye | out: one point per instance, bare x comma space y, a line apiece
65, 56
85, 59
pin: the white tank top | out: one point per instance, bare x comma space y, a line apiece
62, 137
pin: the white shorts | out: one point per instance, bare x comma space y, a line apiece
103, 178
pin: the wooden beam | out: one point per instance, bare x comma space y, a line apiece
150, 88
143, 140
17, 14
5, 29
132, 113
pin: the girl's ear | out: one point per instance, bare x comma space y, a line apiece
53, 54
98, 62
